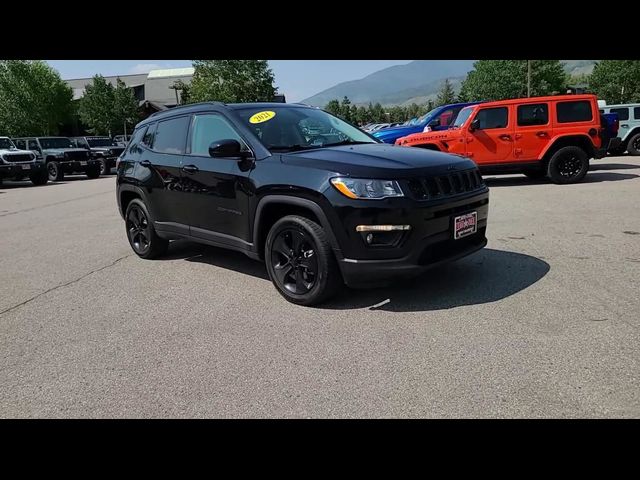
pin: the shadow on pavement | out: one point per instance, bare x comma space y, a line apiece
487, 276
613, 166
524, 181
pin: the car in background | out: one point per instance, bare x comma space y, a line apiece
102, 149
122, 140
541, 137
16, 164
377, 126
60, 156
437, 119
628, 126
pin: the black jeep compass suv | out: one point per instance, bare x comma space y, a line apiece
320, 201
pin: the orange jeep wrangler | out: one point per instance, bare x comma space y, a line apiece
538, 136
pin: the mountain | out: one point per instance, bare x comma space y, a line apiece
385, 85
414, 82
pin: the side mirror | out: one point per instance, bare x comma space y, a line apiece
227, 148
475, 125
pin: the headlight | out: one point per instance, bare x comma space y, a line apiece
367, 188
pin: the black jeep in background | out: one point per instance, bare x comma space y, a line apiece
102, 149
60, 156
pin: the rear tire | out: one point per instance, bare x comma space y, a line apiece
568, 165
40, 178
633, 147
300, 261
54, 171
142, 237
103, 167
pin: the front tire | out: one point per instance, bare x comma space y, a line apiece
93, 171
568, 165
142, 237
54, 171
633, 147
300, 261
104, 170
40, 178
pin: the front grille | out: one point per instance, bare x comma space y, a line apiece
446, 185
18, 157
77, 155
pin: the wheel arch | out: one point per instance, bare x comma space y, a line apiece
272, 207
582, 141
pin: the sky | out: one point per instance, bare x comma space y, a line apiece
297, 79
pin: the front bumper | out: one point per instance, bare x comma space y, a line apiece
73, 166
15, 170
429, 243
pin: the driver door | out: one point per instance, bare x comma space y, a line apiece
492, 140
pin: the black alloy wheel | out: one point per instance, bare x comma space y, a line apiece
294, 261
138, 230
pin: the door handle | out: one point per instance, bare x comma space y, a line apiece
504, 136
625, 125
542, 134
190, 169
145, 163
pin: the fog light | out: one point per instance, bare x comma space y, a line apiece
369, 238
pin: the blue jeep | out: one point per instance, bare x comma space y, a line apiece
437, 119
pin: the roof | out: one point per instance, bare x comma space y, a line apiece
171, 72
549, 98
239, 106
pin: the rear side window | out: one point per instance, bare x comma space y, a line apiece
147, 138
493, 118
210, 128
171, 135
136, 139
535, 114
577, 111
623, 113
636, 113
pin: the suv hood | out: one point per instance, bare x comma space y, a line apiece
378, 159
64, 150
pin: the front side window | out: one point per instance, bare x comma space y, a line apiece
56, 142
575, 111
209, 128
171, 135
100, 142
623, 113
447, 117
534, 114
493, 118
21, 144
33, 145
296, 128
636, 113
81, 143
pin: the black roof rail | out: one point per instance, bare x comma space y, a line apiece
188, 105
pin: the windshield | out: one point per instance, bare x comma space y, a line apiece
56, 142
293, 128
6, 144
425, 118
100, 142
462, 116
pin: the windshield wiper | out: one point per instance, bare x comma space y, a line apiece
289, 148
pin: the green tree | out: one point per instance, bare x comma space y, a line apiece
34, 100
126, 111
616, 81
446, 95
96, 107
185, 91
232, 81
501, 79
333, 107
345, 109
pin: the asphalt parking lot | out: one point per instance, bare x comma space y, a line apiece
542, 323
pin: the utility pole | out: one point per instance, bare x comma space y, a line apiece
528, 78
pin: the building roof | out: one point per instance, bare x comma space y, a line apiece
171, 72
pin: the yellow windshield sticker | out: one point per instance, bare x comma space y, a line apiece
262, 117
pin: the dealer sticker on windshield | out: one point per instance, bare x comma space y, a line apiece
465, 225
262, 116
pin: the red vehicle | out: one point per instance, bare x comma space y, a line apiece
539, 136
